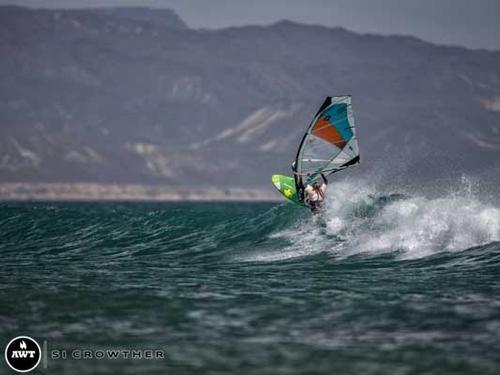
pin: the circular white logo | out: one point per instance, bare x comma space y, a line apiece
23, 354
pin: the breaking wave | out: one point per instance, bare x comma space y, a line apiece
359, 220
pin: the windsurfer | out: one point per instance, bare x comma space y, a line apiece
315, 194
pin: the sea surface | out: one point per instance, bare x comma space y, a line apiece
381, 283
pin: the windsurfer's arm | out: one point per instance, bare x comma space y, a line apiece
325, 181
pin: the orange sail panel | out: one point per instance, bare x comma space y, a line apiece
325, 130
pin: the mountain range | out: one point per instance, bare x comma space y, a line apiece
136, 96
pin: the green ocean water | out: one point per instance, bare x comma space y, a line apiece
382, 284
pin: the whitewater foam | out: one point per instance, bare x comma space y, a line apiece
360, 220
414, 226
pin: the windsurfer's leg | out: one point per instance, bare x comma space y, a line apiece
315, 207
300, 189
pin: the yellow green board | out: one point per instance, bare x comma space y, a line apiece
286, 186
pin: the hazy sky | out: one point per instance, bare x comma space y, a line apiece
471, 23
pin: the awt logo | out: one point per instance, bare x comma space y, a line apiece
23, 354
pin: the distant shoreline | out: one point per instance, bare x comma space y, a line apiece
17, 191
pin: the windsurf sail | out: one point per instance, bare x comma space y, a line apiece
329, 144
